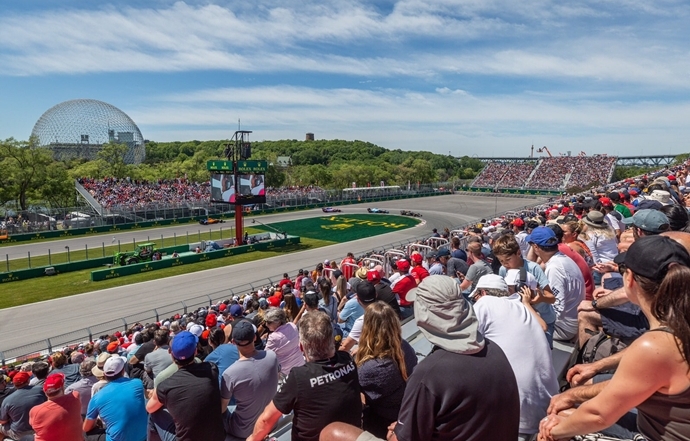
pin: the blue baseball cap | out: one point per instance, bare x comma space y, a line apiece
543, 237
184, 345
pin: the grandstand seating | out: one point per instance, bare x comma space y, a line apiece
554, 173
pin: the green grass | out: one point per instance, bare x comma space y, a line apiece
67, 284
341, 228
110, 250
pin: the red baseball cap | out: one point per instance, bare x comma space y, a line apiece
403, 265
606, 202
416, 258
54, 383
21, 378
373, 276
211, 320
518, 222
112, 347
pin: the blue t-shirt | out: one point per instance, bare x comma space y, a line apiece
545, 310
122, 407
223, 356
351, 312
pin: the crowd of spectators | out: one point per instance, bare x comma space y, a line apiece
126, 192
551, 173
296, 192
325, 345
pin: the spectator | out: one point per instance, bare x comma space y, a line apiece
652, 374
190, 396
291, 308
565, 280
402, 286
508, 252
475, 271
508, 321
224, 354
384, 362
159, 358
600, 240
251, 381
418, 271
384, 293
347, 266
366, 296
58, 418
431, 407
327, 303
350, 312
575, 257
4, 390
283, 340
120, 405
71, 371
324, 390
97, 372
14, 413
84, 385
40, 371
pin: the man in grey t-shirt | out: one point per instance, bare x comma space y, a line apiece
478, 269
252, 380
159, 358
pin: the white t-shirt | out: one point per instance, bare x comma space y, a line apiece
603, 249
356, 330
521, 239
568, 286
508, 323
614, 223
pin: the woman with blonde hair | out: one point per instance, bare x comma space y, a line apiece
601, 240
384, 362
571, 237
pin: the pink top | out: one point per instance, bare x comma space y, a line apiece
284, 341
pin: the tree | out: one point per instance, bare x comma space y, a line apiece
24, 168
114, 156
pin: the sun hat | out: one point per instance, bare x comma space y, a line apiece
489, 281
100, 361
595, 219
443, 315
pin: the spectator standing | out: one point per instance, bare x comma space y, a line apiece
121, 405
324, 390
14, 412
346, 266
252, 381
59, 418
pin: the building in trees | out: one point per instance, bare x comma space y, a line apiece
80, 128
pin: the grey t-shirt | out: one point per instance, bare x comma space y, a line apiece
157, 360
478, 269
253, 382
455, 265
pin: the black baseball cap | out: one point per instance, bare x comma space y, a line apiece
650, 256
366, 293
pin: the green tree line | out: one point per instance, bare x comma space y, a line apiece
30, 174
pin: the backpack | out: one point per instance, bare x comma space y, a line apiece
602, 345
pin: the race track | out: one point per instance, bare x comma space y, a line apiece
25, 324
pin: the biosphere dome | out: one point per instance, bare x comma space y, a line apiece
79, 128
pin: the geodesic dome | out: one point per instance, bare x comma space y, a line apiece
79, 128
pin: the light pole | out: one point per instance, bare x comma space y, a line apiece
68, 259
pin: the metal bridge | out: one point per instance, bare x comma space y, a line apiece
626, 161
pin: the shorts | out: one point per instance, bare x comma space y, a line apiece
366, 436
624, 321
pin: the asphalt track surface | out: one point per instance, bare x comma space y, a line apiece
29, 323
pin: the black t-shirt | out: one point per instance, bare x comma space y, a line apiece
384, 293
451, 396
144, 349
192, 397
321, 393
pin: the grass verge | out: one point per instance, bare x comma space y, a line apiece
67, 284
110, 250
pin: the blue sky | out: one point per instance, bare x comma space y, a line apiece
470, 77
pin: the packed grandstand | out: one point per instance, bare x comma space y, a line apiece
553, 173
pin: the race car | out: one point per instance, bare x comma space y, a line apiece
211, 221
377, 210
410, 213
331, 210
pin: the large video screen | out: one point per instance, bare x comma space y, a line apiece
252, 189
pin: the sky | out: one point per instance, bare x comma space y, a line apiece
483, 78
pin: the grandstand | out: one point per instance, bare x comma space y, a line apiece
552, 173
